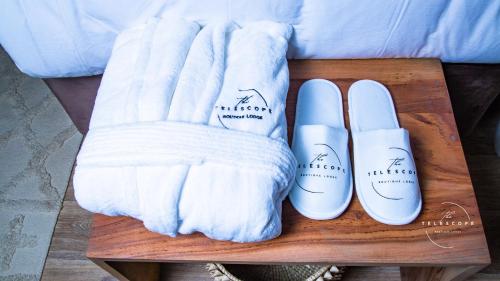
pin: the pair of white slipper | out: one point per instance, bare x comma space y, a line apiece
385, 172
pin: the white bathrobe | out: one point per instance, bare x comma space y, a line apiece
188, 131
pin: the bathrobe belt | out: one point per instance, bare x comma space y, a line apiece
164, 143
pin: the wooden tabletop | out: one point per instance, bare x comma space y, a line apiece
448, 231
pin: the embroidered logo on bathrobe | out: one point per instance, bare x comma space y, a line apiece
249, 104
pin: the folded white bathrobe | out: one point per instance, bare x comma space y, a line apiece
188, 131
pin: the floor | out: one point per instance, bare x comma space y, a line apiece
38, 144
67, 252
484, 167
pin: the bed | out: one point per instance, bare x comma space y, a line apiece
74, 38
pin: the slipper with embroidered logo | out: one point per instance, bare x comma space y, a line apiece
323, 182
384, 168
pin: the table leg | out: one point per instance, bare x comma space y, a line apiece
131, 271
450, 273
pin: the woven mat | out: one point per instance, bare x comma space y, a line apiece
235, 272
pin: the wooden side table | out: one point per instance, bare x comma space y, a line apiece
446, 242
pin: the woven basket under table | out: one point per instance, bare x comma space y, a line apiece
235, 272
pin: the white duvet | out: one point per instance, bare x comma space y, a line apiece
74, 38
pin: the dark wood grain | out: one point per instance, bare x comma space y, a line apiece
131, 271
77, 96
422, 101
452, 273
484, 167
66, 255
474, 87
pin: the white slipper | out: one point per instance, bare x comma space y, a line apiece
384, 168
323, 182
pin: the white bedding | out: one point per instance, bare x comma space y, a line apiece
74, 38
